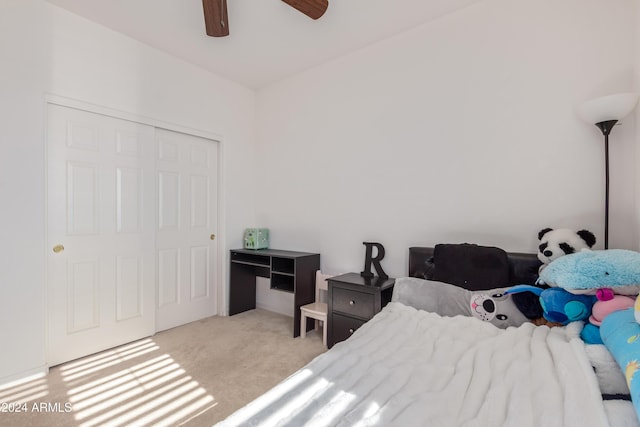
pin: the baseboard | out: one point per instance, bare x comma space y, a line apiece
22, 377
274, 308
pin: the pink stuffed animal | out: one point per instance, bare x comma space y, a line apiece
601, 308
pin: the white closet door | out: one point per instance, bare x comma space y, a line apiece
187, 222
101, 232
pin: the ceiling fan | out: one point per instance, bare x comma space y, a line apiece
217, 22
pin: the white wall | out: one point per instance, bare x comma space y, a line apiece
22, 85
462, 129
48, 50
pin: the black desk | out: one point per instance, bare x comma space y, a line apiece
289, 271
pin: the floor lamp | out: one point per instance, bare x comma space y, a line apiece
605, 112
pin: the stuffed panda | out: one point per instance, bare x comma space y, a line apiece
556, 243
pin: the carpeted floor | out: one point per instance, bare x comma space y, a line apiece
193, 375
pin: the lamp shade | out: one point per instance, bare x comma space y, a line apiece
610, 107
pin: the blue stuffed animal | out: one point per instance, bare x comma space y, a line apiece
621, 335
587, 271
558, 305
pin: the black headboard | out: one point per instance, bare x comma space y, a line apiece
523, 267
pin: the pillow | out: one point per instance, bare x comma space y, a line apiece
587, 271
471, 266
493, 306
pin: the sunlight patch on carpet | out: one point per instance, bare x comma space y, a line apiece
155, 391
26, 390
93, 364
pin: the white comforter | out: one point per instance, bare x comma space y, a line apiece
407, 367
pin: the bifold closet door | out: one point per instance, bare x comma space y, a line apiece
101, 232
187, 203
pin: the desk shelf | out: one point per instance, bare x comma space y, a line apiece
255, 264
282, 282
288, 271
250, 259
283, 265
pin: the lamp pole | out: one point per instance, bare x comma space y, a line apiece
605, 127
605, 112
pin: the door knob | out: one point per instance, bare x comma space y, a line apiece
212, 237
58, 248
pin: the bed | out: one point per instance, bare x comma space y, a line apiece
412, 367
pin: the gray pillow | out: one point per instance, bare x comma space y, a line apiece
448, 300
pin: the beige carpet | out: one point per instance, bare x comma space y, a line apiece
193, 375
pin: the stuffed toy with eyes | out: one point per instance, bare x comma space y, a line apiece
563, 241
559, 306
494, 306
592, 272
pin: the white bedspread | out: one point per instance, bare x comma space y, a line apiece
407, 367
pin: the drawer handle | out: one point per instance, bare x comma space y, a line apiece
352, 302
351, 330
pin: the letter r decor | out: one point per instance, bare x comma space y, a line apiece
369, 259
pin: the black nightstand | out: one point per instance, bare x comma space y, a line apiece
353, 300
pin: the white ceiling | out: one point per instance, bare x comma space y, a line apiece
269, 40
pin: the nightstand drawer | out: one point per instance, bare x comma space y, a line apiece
353, 303
344, 326
353, 300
